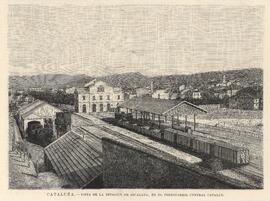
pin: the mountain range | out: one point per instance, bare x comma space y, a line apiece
134, 80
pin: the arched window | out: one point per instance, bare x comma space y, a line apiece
101, 107
108, 107
94, 108
84, 108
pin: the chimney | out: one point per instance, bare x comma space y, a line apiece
152, 86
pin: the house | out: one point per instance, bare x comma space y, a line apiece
37, 89
97, 96
182, 87
70, 90
142, 92
184, 93
232, 90
196, 94
247, 99
164, 94
220, 92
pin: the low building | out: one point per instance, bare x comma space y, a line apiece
70, 90
231, 92
166, 94
37, 111
182, 87
196, 94
37, 89
247, 99
142, 92
98, 96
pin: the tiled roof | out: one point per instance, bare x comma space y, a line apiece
29, 107
159, 106
74, 159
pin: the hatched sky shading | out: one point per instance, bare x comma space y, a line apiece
151, 39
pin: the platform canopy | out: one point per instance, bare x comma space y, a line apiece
162, 106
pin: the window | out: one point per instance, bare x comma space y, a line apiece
100, 88
83, 97
84, 109
108, 107
94, 108
101, 107
100, 97
108, 97
94, 98
118, 97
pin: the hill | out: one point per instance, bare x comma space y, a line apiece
133, 80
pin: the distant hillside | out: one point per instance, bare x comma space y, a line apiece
44, 80
132, 80
127, 80
244, 76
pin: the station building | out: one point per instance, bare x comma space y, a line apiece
97, 96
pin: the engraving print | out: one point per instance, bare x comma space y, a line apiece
135, 96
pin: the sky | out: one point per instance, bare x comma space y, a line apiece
150, 39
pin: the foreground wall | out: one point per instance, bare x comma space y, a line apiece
127, 167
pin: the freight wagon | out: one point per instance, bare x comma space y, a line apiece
202, 145
225, 151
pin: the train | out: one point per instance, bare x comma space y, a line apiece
37, 134
184, 138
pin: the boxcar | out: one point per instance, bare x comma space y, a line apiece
169, 135
137, 128
234, 154
145, 130
155, 133
184, 139
202, 145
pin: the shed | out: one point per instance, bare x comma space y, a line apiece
37, 111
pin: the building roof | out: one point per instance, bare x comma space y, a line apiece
74, 159
81, 90
28, 109
162, 106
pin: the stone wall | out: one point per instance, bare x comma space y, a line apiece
129, 167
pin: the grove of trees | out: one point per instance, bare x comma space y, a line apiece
59, 97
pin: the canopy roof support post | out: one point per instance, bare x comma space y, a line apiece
194, 116
172, 121
178, 123
136, 114
159, 121
185, 120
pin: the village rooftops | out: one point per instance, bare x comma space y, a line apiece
162, 106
